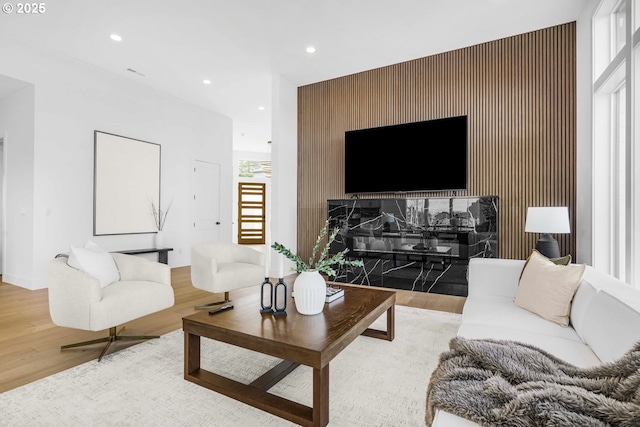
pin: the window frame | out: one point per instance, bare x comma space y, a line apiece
616, 73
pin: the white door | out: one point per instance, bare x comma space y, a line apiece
206, 201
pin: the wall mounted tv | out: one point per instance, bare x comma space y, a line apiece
410, 157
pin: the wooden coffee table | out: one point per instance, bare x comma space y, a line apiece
297, 339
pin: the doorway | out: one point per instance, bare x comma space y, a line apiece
252, 213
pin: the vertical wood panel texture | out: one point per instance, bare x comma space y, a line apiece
519, 94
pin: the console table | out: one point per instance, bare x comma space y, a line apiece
163, 253
401, 241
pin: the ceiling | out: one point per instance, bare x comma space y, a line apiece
240, 44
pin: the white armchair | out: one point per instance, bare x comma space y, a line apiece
77, 300
223, 267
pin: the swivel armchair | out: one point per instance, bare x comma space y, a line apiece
223, 267
78, 300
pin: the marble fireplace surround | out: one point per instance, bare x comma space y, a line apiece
419, 244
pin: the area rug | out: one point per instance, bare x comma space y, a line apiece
372, 383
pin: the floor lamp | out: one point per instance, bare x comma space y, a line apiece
547, 220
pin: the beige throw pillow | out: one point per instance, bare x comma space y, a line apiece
547, 289
563, 260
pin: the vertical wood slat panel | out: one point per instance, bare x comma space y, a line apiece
519, 94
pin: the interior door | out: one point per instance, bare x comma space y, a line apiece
206, 201
251, 213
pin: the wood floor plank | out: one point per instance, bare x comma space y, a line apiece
30, 342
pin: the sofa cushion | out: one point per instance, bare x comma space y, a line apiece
570, 350
611, 326
501, 311
547, 289
592, 282
494, 276
586, 291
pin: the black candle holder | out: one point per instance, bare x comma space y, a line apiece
265, 309
280, 291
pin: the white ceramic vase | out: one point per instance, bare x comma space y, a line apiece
310, 291
159, 239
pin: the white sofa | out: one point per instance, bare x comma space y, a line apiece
604, 320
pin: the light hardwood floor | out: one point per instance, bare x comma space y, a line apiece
30, 342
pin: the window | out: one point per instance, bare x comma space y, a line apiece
616, 196
618, 28
254, 169
619, 184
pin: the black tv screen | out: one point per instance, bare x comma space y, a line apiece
420, 156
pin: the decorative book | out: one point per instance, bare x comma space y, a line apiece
333, 294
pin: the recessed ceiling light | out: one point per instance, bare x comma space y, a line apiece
311, 49
116, 37
206, 81
261, 108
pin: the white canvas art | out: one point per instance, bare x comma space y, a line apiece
126, 183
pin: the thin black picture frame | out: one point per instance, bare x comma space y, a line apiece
127, 180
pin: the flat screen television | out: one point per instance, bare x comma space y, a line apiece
410, 157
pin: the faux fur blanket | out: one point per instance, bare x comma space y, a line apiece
505, 383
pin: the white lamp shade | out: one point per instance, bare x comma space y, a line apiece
548, 219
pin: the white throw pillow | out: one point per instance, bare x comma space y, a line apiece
547, 289
96, 262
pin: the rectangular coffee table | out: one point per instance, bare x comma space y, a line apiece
297, 339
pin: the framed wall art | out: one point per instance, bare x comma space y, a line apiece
126, 184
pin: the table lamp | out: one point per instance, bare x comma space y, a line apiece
547, 220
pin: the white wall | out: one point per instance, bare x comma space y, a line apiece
17, 126
284, 160
2, 168
72, 99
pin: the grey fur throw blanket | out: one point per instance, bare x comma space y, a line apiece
506, 383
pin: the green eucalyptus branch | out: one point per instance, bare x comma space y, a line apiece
324, 264
290, 255
316, 246
332, 237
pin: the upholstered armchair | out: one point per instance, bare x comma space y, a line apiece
223, 267
79, 300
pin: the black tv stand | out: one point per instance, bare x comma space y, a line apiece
419, 244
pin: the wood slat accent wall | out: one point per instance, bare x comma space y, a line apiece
520, 96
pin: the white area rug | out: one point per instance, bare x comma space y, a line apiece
372, 383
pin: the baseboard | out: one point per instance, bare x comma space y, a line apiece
22, 282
